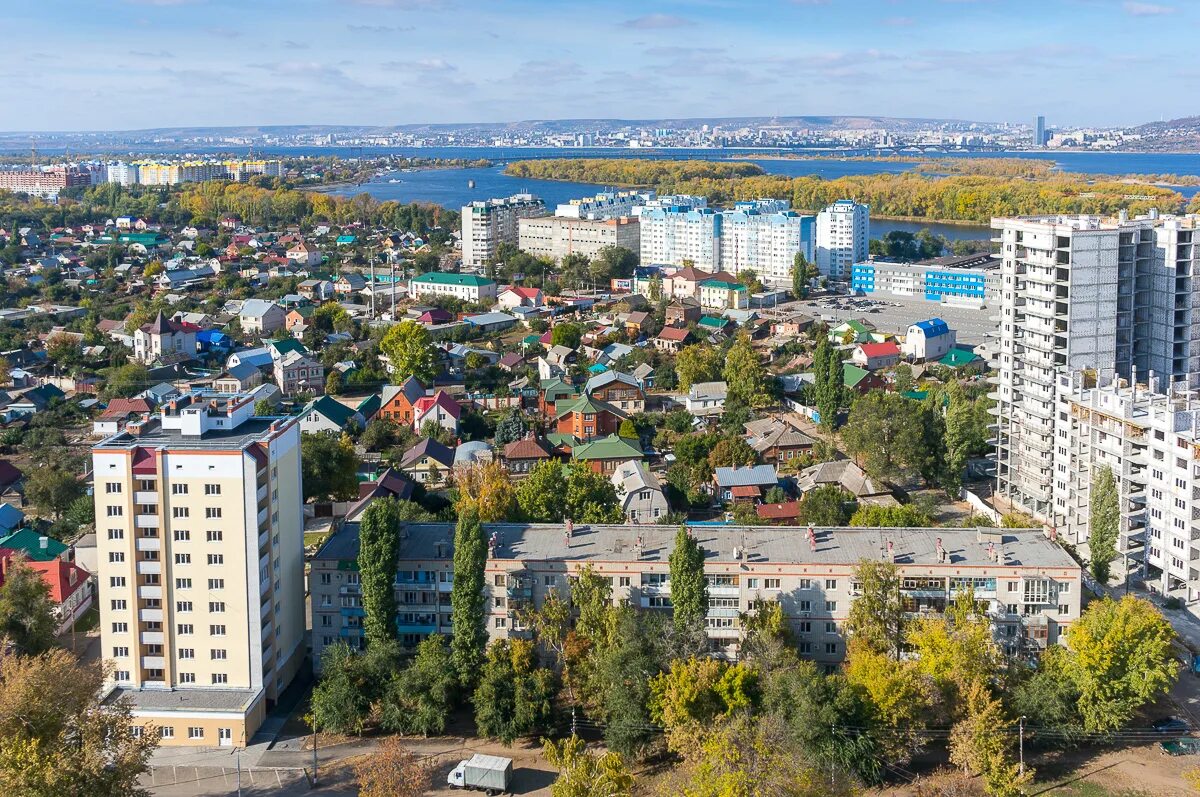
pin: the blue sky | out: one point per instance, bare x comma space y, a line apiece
123, 64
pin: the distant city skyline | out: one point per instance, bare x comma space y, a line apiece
166, 63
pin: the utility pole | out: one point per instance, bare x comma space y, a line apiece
315, 737
1021, 737
573, 727
239, 777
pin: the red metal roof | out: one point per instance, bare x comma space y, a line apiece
880, 349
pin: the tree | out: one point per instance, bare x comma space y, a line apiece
539, 495
467, 599
566, 333
877, 617
801, 275
828, 386
731, 452
745, 379
378, 553
264, 408
125, 381
514, 698
511, 428
1120, 660
591, 497
1048, 699
421, 696
695, 694
410, 350
1104, 523
618, 686
957, 649
689, 588
885, 433
696, 364
57, 737
392, 770
900, 695
982, 744
487, 488
628, 429
52, 490
582, 773
26, 609
333, 383
903, 516
341, 700
328, 464
827, 505
591, 595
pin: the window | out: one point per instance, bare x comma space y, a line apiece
166, 732
120, 628
183, 629
216, 559
183, 558
771, 583
831, 606
830, 628
326, 578
216, 607
214, 536
115, 511
116, 556
112, 487
195, 732
501, 622
119, 651
805, 606
1064, 609
216, 583
550, 581
123, 675
187, 677
116, 581
179, 489
120, 605
183, 606
806, 583
179, 511
499, 602
805, 626
187, 653
623, 581
220, 678
212, 512
219, 654
116, 534
212, 489
216, 630
183, 583
182, 535
831, 648
752, 583
831, 583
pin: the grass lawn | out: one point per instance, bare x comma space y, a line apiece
89, 621
314, 537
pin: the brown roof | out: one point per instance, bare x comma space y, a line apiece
526, 448
785, 511
674, 333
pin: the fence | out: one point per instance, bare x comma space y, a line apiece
978, 505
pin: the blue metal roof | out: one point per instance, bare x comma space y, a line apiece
933, 327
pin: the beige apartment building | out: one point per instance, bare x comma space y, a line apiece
1031, 586
556, 237
201, 571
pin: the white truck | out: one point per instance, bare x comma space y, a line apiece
486, 773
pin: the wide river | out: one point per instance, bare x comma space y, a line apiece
453, 187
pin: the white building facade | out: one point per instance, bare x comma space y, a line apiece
488, 223
843, 232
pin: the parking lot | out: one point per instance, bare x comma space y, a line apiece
896, 313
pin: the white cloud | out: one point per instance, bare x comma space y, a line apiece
657, 22
1148, 9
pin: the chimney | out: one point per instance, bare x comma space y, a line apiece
44, 542
570, 528
991, 552
1054, 534
941, 552
891, 551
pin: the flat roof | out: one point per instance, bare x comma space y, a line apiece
782, 544
186, 700
253, 430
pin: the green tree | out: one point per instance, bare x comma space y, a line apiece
885, 433
52, 490
1120, 660
467, 598
328, 464
539, 495
341, 700
982, 744
696, 364
745, 378
333, 383
58, 738
514, 698
689, 588
828, 386
566, 333
410, 350
903, 516
378, 554
901, 699
26, 610
590, 497
877, 616
591, 595
827, 505
264, 408
125, 381
628, 430
1049, 699
801, 274
421, 696
618, 687
694, 694
582, 773
512, 427
1104, 523
732, 452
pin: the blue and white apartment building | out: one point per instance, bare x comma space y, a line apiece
970, 281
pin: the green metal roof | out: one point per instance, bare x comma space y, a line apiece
723, 285
444, 278
852, 374
585, 404
29, 542
332, 409
287, 346
611, 447
957, 358
709, 321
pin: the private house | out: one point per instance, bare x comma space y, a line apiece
260, 317
553, 392
706, 398
784, 514
861, 380
875, 356
587, 418
963, 360
522, 456
164, 341
428, 462
683, 311
774, 440
11, 519
389, 484
238, 379
349, 283
607, 454
33, 401
118, 412
469, 288
724, 294
440, 409
491, 322
640, 493
617, 389
841, 473
327, 414
793, 326
298, 317
304, 254
297, 372
398, 402
515, 296
745, 484
851, 331
12, 482
315, 290
928, 340
70, 585
673, 339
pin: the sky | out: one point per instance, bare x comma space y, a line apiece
131, 64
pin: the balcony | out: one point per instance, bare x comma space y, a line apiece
149, 568
149, 497
262, 518
722, 612
150, 615
262, 493
152, 637
146, 521
149, 544
150, 591
724, 591
152, 662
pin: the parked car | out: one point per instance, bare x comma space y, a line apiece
1172, 725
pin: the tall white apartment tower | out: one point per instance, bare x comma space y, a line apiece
201, 582
488, 223
843, 237
1108, 298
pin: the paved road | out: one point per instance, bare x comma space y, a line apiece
970, 324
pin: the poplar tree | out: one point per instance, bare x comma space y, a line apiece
378, 554
467, 600
1105, 519
689, 589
